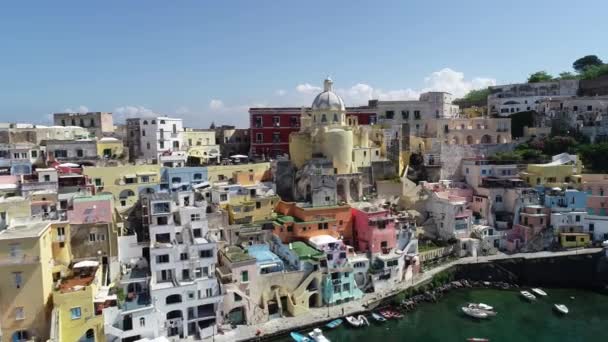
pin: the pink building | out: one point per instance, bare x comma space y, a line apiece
595, 184
373, 228
91, 209
534, 219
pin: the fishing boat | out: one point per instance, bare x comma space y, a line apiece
561, 308
334, 324
475, 313
481, 306
478, 339
528, 295
539, 292
388, 314
357, 321
378, 318
299, 337
317, 335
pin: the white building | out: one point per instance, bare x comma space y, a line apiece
183, 285
513, 98
150, 138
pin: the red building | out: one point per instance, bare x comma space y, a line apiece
270, 127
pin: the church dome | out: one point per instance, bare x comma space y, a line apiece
328, 100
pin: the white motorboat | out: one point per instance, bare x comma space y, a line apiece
318, 336
476, 313
539, 292
481, 306
357, 321
528, 295
561, 308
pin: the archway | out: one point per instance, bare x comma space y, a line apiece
313, 300
470, 140
486, 139
354, 190
173, 299
126, 193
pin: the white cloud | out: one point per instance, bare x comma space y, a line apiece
216, 104
125, 112
454, 82
79, 109
307, 88
281, 92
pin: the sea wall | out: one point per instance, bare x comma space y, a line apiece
588, 271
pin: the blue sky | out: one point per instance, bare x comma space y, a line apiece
205, 60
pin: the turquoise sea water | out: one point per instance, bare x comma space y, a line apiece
517, 319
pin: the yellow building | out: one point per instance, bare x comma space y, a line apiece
109, 147
563, 170
201, 146
248, 209
574, 240
26, 281
328, 131
123, 182
75, 317
221, 173
14, 208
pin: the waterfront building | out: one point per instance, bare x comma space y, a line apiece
448, 206
123, 182
300, 221
530, 232
574, 240
183, 286
373, 228
596, 220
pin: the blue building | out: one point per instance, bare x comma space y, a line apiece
181, 178
565, 200
266, 261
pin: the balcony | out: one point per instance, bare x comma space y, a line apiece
135, 301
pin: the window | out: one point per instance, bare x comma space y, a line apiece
142, 321
92, 237
405, 114
75, 313
223, 197
183, 256
591, 227
34, 154
257, 121
323, 118
143, 132
174, 128
259, 137
276, 121
578, 218
209, 292
589, 108
101, 237
575, 108
195, 217
161, 144
498, 199
335, 117
62, 122
162, 259
61, 153
417, 114
19, 313
206, 253
148, 145
176, 144
276, 137
92, 122
390, 114
244, 276
237, 298
293, 121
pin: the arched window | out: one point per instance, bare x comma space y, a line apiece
90, 334
335, 117
126, 193
145, 122
142, 322
323, 118
173, 299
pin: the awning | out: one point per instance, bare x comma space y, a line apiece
130, 176
86, 263
239, 156
68, 165
201, 185
150, 173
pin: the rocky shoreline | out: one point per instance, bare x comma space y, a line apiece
432, 296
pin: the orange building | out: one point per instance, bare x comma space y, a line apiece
297, 222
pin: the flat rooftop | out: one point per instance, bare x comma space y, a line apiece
305, 251
262, 254
25, 230
236, 254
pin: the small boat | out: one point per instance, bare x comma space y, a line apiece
528, 295
299, 337
378, 318
561, 308
317, 335
478, 339
334, 324
354, 321
481, 306
388, 314
539, 292
475, 313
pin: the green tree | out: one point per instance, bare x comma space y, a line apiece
594, 71
567, 75
539, 76
585, 62
595, 157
